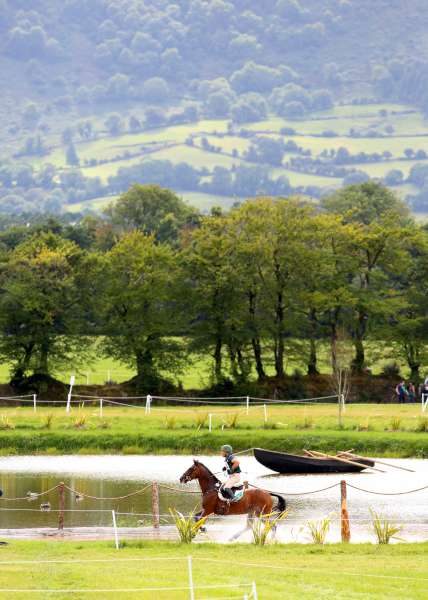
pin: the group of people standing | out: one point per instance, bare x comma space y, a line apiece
406, 391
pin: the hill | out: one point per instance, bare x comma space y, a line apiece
262, 92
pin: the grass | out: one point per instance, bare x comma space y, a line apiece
176, 430
298, 572
198, 370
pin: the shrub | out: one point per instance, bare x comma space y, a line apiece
186, 526
264, 525
384, 529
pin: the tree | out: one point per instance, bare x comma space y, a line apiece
381, 221
71, 156
43, 300
213, 290
114, 124
151, 210
155, 90
139, 308
255, 78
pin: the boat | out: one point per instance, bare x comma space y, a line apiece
293, 463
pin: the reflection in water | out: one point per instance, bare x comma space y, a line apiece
111, 476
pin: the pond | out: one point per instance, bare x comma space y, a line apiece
112, 476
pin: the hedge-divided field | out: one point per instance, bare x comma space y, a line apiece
373, 128
294, 571
381, 430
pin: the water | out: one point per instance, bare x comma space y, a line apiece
111, 476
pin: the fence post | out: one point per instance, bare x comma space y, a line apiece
72, 380
210, 422
116, 535
155, 504
190, 570
61, 505
35, 402
101, 408
248, 404
254, 591
344, 516
265, 413
148, 404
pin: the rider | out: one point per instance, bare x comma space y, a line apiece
233, 470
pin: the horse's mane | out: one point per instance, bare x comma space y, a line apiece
209, 472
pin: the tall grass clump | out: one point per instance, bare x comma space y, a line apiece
422, 425
47, 421
231, 421
201, 420
264, 525
395, 424
186, 525
383, 528
318, 530
6, 423
79, 422
170, 423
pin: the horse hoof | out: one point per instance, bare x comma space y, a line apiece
203, 529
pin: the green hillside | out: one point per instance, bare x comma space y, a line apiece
226, 99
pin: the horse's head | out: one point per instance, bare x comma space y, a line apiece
192, 472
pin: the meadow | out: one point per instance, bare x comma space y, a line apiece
305, 572
373, 128
389, 430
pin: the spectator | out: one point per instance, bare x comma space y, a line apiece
411, 391
401, 392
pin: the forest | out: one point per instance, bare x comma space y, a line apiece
155, 281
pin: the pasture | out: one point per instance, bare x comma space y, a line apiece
373, 128
371, 429
305, 572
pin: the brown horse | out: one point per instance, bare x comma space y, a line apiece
254, 502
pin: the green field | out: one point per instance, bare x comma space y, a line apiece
400, 128
339, 571
371, 429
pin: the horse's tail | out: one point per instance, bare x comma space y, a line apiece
281, 506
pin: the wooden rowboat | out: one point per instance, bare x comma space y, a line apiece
292, 463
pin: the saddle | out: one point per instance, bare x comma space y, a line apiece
238, 493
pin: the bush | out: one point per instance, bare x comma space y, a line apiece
383, 528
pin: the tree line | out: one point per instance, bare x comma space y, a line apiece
158, 282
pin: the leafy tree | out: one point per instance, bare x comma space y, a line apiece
114, 124
255, 78
71, 156
155, 90
43, 300
139, 308
377, 242
151, 210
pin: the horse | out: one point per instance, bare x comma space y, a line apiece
255, 502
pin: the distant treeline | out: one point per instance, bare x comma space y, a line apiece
157, 280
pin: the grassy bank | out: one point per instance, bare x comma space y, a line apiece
387, 430
292, 571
